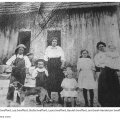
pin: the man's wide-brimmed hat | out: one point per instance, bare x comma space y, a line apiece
21, 45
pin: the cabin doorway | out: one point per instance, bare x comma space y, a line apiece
24, 38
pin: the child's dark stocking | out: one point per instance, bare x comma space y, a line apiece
60, 99
72, 102
49, 94
91, 97
85, 97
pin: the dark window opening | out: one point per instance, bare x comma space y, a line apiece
24, 38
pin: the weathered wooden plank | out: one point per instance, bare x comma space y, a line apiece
79, 30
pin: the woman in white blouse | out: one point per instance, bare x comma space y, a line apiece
100, 56
19, 63
54, 56
108, 83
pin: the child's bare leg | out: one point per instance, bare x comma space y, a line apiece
65, 101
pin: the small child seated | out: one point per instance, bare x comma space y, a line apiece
69, 85
40, 74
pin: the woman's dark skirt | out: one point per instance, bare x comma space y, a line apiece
109, 88
55, 74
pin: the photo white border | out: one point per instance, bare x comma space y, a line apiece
73, 115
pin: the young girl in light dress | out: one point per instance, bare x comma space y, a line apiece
69, 85
86, 76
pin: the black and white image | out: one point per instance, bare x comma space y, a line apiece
59, 54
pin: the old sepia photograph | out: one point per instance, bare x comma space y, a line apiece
60, 54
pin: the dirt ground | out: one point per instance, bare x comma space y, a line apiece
30, 101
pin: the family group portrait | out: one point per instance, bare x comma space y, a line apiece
60, 54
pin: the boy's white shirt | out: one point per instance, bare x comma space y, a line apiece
12, 59
35, 72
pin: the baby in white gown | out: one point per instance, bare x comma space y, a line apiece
69, 85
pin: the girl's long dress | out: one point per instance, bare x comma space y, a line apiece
18, 74
86, 77
108, 83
